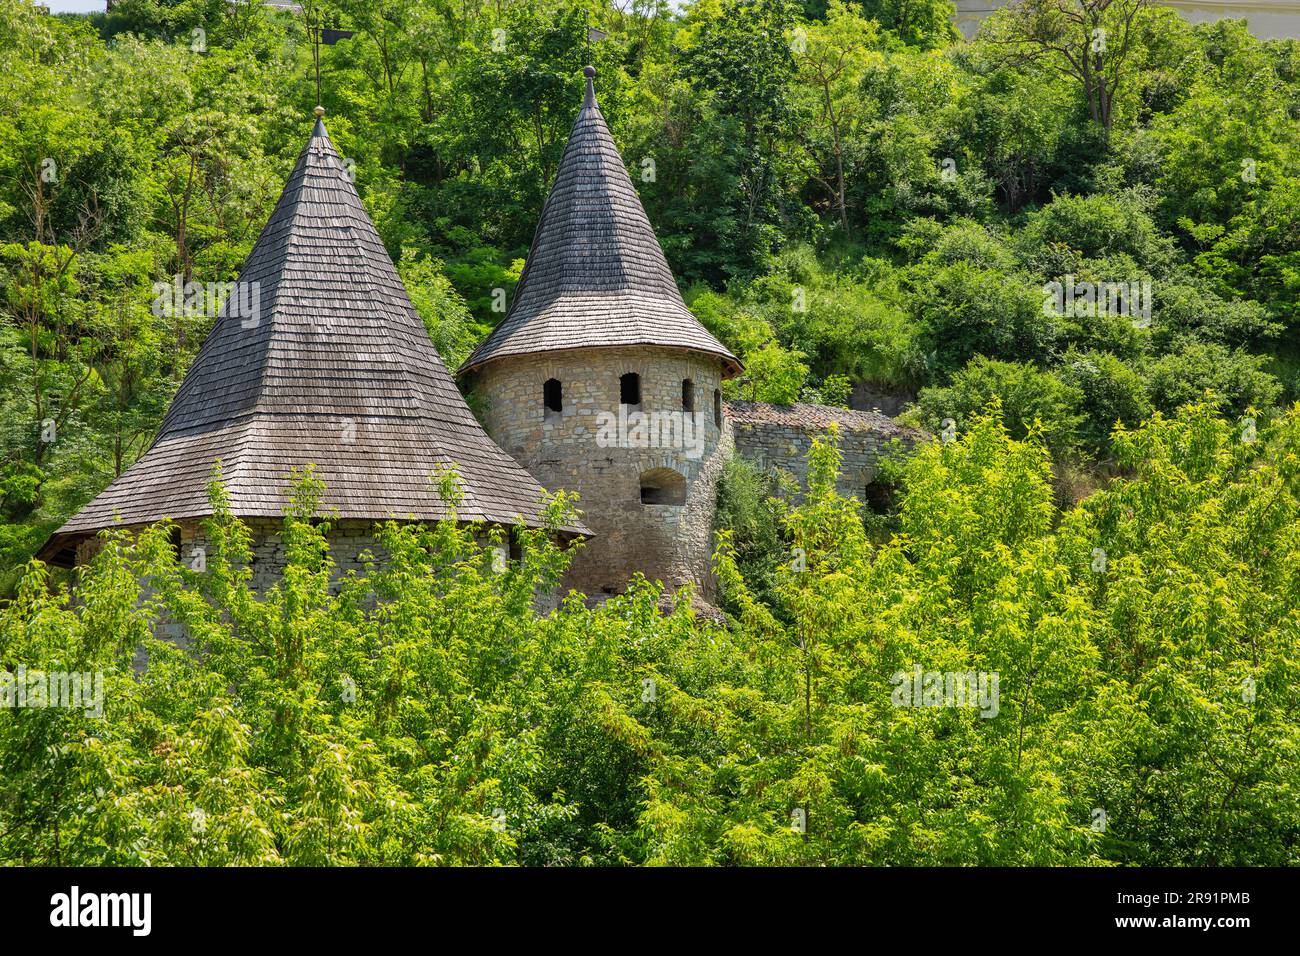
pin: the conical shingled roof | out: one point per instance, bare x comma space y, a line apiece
595, 275
337, 371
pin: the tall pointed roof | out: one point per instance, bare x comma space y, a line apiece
595, 275
335, 370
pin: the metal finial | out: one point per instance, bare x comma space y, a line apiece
590, 73
319, 111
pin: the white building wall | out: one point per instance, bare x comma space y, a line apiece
1267, 19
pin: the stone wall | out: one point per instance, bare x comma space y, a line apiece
351, 543
576, 449
868, 399
780, 436
348, 543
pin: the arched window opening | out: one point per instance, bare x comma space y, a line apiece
717, 408
688, 395
663, 486
553, 395
629, 389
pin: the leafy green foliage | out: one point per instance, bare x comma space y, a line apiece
1233, 378
1029, 401
423, 712
860, 205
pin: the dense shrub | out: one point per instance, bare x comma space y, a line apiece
425, 713
1028, 401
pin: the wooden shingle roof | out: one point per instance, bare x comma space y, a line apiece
595, 275
336, 370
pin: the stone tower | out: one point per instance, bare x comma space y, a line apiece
600, 381
329, 365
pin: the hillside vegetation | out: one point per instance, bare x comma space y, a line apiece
1082, 281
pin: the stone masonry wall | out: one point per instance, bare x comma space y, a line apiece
568, 450
348, 542
774, 436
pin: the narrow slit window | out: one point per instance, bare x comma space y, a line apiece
688, 395
629, 389
717, 408
553, 395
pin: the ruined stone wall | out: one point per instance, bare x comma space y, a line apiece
569, 450
786, 447
774, 436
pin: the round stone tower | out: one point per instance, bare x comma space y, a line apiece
600, 381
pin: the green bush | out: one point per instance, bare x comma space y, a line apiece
424, 712
1028, 400
968, 311
1112, 393
1232, 379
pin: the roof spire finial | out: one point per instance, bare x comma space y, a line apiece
590, 73
319, 111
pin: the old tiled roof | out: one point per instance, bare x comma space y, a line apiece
803, 416
337, 371
596, 275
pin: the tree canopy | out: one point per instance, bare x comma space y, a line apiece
1068, 248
